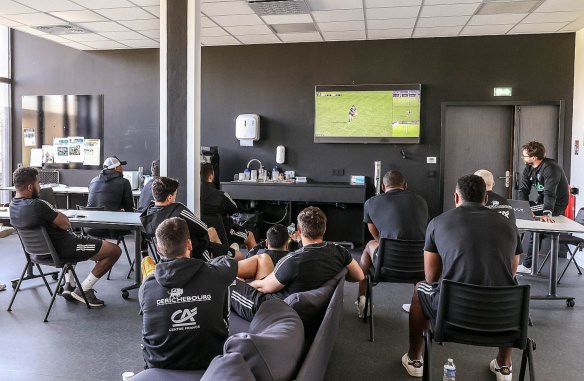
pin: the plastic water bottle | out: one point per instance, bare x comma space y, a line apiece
449, 371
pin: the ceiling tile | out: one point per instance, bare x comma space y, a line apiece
35, 19
8, 7
445, 2
341, 26
51, 5
207, 23
105, 45
140, 44
142, 24
326, 5
236, 20
130, 35
213, 32
154, 34
100, 4
538, 28
449, 10
343, 36
120, 14
391, 3
392, 13
574, 26
287, 19
259, 39
85, 37
154, 10
250, 29
144, 3
495, 19
300, 37
424, 22
553, 17
222, 40
389, 33
339, 15
561, 5
75, 45
486, 29
79, 16
9, 23
58, 39
226, 8
29, 30
443, 31
391, 24
103, 26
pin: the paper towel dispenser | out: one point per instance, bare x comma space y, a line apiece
247, 129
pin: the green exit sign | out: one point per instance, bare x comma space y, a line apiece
502, 91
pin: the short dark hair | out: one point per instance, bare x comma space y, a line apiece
535, 149
277, 236
171, 237
394, 179
312, 222
23, 177
155, 168
206, 171
162, 187
471, 188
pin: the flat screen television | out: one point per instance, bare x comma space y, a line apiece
367, 114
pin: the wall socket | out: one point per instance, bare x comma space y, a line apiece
338, 172
431, 160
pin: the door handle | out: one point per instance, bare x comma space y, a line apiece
507, 178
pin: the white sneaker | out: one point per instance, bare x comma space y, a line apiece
2, 287
503, 373
406, 307
360, 303
524, 270
415, 368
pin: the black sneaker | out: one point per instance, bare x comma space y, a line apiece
91, 298
67, 290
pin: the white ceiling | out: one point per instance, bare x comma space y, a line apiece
134, 24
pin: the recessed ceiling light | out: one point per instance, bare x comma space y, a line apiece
279, 7
497, 7
58, 30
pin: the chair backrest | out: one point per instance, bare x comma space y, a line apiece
580, 216
399, 261
48, 195
81, 207
482, 315
38, 246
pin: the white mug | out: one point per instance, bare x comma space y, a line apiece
127, 375
254, 175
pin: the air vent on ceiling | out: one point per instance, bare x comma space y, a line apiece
279, 7
497, 7
61, 29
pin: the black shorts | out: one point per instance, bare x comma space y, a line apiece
246, 300
429, 297
218, 249
236, 234
78, 248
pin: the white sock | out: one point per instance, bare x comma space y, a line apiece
89, 282
71, 278
68, 277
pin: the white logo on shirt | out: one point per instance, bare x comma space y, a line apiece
184, 319
176, 292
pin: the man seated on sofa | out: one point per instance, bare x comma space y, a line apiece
184, 321
305, 269
205, 242
261, 261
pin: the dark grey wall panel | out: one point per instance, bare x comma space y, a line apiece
127, 78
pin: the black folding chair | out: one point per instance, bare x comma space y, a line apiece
482, 316
396, 261
108, 234
39, 250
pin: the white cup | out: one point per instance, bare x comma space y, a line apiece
127, 375
241, 176
254, 175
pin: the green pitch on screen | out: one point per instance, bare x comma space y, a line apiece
379, 114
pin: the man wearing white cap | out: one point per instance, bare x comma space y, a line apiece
109, 189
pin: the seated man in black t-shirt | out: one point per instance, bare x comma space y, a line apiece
495, 201
261, 260
27, 211
305, 269
185, 323
468, 244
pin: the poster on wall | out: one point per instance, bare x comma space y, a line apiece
91, 152
48, 154
61, 150
36, 157
76, 150
29, 137
576, 146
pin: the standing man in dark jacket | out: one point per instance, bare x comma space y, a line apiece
551, 184
184, 321
109, 189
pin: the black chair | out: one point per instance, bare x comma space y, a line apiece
482, 316
108, 234
48, 195
569, 239
39, 250
396, 261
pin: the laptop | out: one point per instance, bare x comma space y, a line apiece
522, 209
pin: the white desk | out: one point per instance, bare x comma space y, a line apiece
105, 220
562, 224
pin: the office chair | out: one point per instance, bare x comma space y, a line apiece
396, 261
39, 250
108, 234
482, 316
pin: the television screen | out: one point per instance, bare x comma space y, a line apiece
367, 114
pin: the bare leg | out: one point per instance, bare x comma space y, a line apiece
250, 241
265, 266
213, 236
366, 263
105, 258
504, 357
418, 323
256, 267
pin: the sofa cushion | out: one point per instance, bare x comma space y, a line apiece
273, 346
230, 366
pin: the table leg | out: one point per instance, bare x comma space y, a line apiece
535, 253
68, 200
137, 264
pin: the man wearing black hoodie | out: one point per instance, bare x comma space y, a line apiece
184, 320
109, 189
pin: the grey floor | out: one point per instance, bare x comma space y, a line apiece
81, 344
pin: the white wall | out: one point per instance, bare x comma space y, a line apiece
577, 174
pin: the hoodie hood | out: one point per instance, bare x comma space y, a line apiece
177, 272
109, 174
